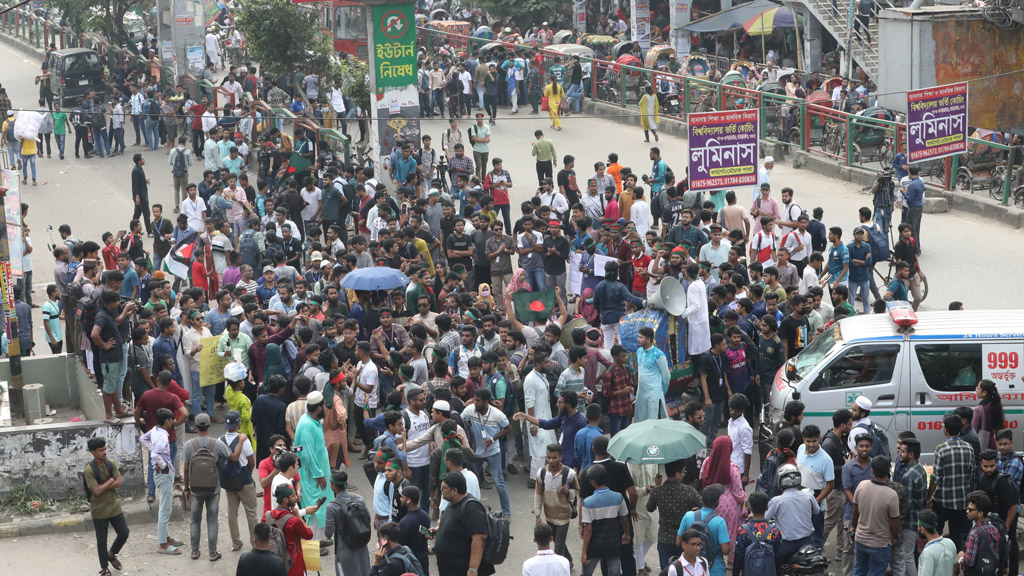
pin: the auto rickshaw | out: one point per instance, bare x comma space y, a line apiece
495, 51
982, 166
569, 50
770, 109
564, 37
658, 55
816, 124
696, 65
871, 141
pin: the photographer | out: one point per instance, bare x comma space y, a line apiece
883, 190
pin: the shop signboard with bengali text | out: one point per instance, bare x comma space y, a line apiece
723, 149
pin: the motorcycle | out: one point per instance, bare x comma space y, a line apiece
607, 92
809, 560
670, 103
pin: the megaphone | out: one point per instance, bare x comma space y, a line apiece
670, 297
571, 325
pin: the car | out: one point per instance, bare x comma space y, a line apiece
74, 72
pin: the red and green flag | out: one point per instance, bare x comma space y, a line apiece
537, 306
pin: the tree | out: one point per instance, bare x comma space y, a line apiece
284, 38
521, 8
354, 75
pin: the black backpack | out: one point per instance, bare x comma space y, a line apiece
356, 524
880, 445
85, 315
759, 557
96, 474
499, 536
179, 168
768, 480
234, 474
990, 560
249, 249
410, 563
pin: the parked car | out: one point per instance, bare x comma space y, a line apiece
75, 71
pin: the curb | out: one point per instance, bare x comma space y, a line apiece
135, 513
23, 46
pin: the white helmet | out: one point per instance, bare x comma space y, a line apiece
789, 477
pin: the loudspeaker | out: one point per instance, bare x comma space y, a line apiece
569, 327
670, 297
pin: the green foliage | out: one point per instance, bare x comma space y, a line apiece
354, 75
283, 37
521, 8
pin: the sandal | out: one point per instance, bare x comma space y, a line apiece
170, 551
104, 572
112, 559
150, 499
236, 547
195, 555
215, 557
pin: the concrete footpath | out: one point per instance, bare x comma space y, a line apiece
136, 512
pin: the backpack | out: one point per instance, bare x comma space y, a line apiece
203, 470
499, 536
96, 474
9, 134
708, 542
901, 495
879, 244
675, 561
179, 168
565, 478
880, 446
234, 473
355, 523
248, 249
278, 543
85, 313
510, 394
759, 557
768, 481
411, 563
989, 561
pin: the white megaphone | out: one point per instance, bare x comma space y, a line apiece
670, 297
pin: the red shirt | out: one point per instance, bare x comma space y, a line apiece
640, 282
294, 530
199, 276
109, 254
197, 121
265, 468
155, 399
177, 390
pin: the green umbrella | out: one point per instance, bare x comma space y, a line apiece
656, 442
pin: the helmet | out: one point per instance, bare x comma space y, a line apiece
789, 477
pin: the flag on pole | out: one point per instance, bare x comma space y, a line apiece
179, 259
536, 306
296, 165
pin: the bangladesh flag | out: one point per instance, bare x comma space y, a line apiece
296, 165
536, 306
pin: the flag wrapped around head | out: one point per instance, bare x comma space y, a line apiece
535, 306
179, 259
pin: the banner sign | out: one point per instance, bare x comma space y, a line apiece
394, 46
580, 15
1001, 363
641, 24
12, 211
723, 149
937, 122
211, 366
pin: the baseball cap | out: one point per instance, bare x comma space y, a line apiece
231, 419
316, 257
268, 269
202, 420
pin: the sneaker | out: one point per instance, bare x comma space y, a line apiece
190, 427
511, 469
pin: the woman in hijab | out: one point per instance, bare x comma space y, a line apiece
274, 362
585, 308
718, 468
517, 284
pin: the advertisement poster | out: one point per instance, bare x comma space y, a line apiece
211, 366
580, 15
641, 23
196, 59
723, 149
394, 45
12, 209
937, 122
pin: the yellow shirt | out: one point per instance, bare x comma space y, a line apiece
424, 250
239, 401
28, 147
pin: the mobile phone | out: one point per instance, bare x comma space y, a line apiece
381, 542
425, 532
321, 501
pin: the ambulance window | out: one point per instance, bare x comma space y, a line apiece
953, 367
864, 365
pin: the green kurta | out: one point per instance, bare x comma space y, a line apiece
315, 463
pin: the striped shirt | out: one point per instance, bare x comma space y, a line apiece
602, 511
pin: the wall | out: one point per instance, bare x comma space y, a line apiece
51, 458
65, 382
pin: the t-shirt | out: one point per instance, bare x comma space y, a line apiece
480, 132
312, 198
51, 315
107, 504
719, 533
454, 242
108, 331
411, 537
59, 123
816, 469
459, 523
155, 399
555, 264
484, 426
131, 282
859, 272
261, 563
876, 504
794, 332
937, 558
601, 511
714, 366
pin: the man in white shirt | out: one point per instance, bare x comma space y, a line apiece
696, 313
213, 49
798, 242
211, 150
717, 251
546, 562
337, 99
194, 208
763, 177
811, 273
235, 88
791, 211
741, 434
313, 197
553, 198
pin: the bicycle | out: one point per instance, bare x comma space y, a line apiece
891, 273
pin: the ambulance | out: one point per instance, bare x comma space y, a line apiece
913, 367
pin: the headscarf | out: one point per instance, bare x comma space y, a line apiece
450, 441
719, 462
274, 365
517, 284
587, 309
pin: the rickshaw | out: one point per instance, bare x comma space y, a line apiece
658, 52
831, 84
870, 141
455, 31
770, 111
696, 65
745, 68
494, 51
734, 78
632, 84
816, 124
564, 37
440, 14
481, 36
601, 44
981, 166
622, 49
569, 50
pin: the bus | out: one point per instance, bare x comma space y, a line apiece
344, 22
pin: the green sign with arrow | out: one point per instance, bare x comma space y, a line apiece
394, 45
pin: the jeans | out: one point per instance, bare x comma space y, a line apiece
834, 517
491, 106
865, 293
666, 552
552, 280
199, 393
25, 162
575, 96
914, 219
150, 482
437, 99
612, 564
903, 555
559, 533
44, 142
180, 188
137, 123
247, 498
494, 465
425, 111
480, 96
82, 138
152, 129
212, 504
60, 138
421, 479
505, 211
871, 561
618, 423
537, 279
120, 528
790, 547
712, 419
164, 483
117, 140
142, 212
818, 521
959, 525
12, 155
102, 142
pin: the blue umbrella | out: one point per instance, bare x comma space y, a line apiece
374, 278
656, 441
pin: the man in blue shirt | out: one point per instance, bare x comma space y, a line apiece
656, 181
914, 199
130, 285
403, 166
569, 420
585, 438
899, 165
793, 511
860, 265
716, 525
838, 257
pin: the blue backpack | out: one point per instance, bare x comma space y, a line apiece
708, 542
759, 557
879, 244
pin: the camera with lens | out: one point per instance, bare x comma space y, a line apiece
293, 449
